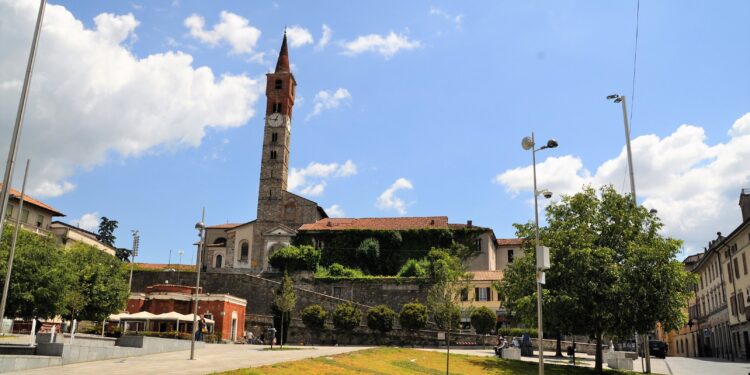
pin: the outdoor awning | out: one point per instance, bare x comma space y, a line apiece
190, 318
116, 317
142, 315
173, 316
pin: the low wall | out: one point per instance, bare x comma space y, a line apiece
10, 363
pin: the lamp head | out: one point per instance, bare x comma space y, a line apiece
551, 143
613, 96
653, 211
200, 226
527, 143
545, 193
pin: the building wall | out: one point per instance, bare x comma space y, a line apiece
69, 237
38, 220
712, 336
735, 251
502, 257
485, 260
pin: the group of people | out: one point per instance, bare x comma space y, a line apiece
502, 343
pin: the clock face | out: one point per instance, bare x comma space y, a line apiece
275, 119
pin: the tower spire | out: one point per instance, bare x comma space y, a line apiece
282, 65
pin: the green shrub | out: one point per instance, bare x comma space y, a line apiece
368, 254
414, 268
314, 317
413, 316
292, 258
346, 317
338, 270
380, 318
483, 320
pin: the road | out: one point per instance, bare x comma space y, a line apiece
211, 358
706, 366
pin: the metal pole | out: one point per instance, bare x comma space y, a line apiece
6, 284
202, 229
540, 334
8, 176
136, 240
448, 344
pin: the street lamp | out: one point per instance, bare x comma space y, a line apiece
180, 253
542, 253
201, 227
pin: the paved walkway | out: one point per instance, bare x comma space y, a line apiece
212, 358
701, 366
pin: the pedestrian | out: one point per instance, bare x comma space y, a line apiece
199, 332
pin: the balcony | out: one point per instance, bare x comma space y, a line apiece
31, 228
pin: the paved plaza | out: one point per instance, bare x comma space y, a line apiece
212, 358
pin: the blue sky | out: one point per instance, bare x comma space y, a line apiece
421, 107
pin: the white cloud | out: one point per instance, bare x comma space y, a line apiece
335, 211
89, 221
312, 179
232, 29
325, 100
298, 36
387, 45
389, 201
693, 185
325, 38
92, 100
456, 20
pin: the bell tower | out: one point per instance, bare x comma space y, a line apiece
274, 165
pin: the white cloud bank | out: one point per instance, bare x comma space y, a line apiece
232, 29
693, 185
312, 180
89, 222
298, 36
326, 100
386, 46
388, 199
335, 211
92, 100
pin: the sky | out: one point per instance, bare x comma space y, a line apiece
147, 111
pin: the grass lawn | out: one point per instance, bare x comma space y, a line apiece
382, 361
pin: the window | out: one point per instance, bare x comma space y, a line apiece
217, 264
734, 306
482, 294
244, 251
276, 108
744, 263
736, 269
274, 137
25, 216
478, 244
510, 255
40, 222
337, 291
273, 154
740, 304
729, 270
464, 294
277, 84
220, 241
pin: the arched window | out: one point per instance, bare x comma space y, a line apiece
277, 84
277, 108
274, 137
273, 154
244, 251
220, 241
218, 261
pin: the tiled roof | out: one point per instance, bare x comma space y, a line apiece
487, 275
509, 241
378, 223
224, 226
17, 194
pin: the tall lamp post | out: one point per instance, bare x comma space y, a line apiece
201, 227
542, 253
621, 99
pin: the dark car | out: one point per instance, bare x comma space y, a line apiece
657, 349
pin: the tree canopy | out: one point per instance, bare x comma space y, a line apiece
99, 285
449, 278
413, 316
483, 320
612, 272
293, 258
107, 231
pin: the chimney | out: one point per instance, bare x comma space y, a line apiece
745, 204
468, 223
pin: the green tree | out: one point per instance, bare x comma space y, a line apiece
413, 316
39, 278
314, 318
292, 258
99, 285
380, 318
107, 231
483, 320
449, 278
123, 254
346, 317
338, 270
613, 256
284, 301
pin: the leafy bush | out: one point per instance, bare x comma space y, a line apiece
413, 316
414, 268
483, 320
368, 254
314, 317
346, 317
337, 270
292, 258
380, 318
